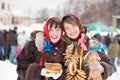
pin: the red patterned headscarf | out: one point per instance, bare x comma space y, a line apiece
46, 31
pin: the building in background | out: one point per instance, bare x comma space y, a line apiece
116, 22
8, 17
22, 20
5, 11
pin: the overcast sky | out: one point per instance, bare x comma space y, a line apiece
35, 5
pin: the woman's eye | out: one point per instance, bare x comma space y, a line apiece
67, 28
51, 30
58, 29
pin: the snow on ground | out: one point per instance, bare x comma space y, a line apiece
7, 71
115, 75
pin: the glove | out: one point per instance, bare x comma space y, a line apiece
45, 73
96, 65
39, 40
53, 75
56, 76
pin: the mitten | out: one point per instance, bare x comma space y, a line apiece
56, 76
53, 75
45, 73
96, 65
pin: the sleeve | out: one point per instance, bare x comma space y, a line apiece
33, 72
107, 65
25, 58
39, 41
21, 67
108, 70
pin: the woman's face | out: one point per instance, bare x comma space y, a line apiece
72, 31
55, 34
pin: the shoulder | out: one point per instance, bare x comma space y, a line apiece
66, 39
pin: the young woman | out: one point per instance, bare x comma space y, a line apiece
52, 53
75, 36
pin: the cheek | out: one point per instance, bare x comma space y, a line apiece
78, 30
67, 32
59, 34
50, 33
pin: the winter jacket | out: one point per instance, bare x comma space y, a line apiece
105, 60
113, 50
28, 55
13, 38
1, 38
55, 56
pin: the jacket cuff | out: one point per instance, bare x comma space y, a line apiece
108, 70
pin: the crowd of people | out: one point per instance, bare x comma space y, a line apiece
11, 43
64, 43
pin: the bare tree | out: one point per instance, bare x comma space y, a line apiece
43, 14
93, 11
100, 12
115, 7
74, 7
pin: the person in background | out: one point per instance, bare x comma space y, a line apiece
21, 40
111, 36
7, 44
107, 40
114, 51
118, 36
103, 41
97, 37
74, 37
13, 44
2, 53
118, 58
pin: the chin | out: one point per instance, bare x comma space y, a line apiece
73, 37
54, 41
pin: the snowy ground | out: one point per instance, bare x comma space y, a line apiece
115, 75
7, 71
